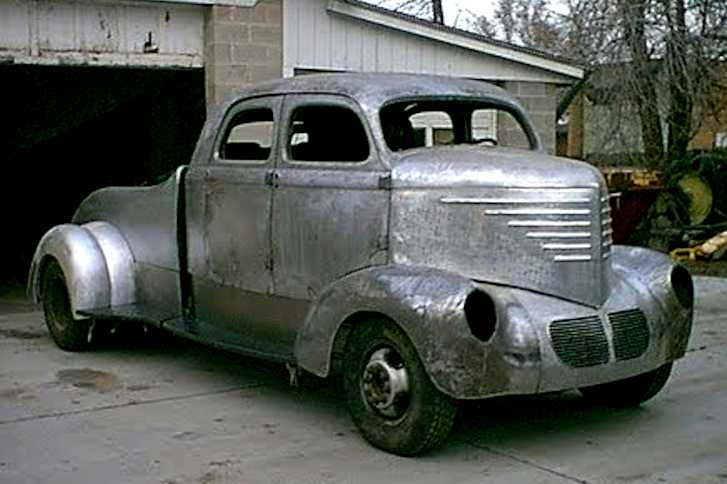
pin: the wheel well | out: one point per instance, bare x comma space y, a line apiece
344, 330
40, 274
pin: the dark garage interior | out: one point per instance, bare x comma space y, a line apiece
68, 130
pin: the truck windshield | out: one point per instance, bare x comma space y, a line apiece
431, 122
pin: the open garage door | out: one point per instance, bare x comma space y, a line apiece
70, 130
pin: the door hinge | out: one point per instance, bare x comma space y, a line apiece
271, 179
269, 263
385, 182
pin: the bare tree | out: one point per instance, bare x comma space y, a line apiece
668, 58
528, 22
641, 81
437, 13
431, 9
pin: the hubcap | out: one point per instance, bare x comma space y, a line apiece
385, 383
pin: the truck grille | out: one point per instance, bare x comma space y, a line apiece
580, 342
630, 333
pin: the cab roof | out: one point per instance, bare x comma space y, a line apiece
376, 89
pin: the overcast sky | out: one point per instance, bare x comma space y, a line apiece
461, 10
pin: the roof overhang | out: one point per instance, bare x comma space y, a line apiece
379, 17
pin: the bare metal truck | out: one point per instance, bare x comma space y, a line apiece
407, 231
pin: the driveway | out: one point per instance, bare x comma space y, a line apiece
170, 411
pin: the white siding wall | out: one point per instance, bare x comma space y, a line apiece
319, 40
101, 32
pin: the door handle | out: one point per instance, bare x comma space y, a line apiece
272, 179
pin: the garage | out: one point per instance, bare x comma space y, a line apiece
72, 130
93, 95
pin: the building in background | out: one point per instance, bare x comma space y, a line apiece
99, 92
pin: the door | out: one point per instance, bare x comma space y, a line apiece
231, 262
330, 208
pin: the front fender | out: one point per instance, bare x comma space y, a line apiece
428, 304
96, 262
649, 273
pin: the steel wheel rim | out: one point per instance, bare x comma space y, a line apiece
385, 384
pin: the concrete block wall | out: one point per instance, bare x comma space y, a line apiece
540, 100
243, 45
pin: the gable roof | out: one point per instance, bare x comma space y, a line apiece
367, 12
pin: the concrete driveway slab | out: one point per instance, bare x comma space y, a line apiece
170, 411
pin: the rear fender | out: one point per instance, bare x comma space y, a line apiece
96, 262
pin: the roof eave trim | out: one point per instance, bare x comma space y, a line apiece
222, 3
379, 18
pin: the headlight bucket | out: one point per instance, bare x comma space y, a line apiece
481, 315
682, 285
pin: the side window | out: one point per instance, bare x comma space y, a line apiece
327, 133
249, 136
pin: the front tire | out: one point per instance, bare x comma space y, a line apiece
68, 333
389, 394
629, 392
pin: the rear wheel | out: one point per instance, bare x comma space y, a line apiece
69, 334
629, 392
389, 394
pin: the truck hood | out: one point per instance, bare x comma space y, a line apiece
517, 218
467, 166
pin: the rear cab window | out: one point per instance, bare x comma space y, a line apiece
421, 123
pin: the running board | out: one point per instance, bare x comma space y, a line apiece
143, 313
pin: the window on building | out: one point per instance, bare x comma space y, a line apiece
327, 133
249, 136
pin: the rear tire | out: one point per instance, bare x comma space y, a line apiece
389, 394
68, 333
629, 392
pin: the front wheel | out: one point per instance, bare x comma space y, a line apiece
389, 394
68, 333
630, 392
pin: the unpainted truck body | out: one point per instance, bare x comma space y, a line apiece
312, 227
